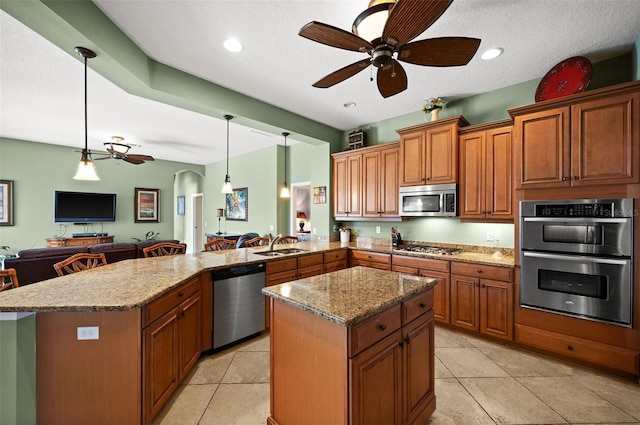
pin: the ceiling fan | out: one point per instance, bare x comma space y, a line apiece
384, 30
119, 150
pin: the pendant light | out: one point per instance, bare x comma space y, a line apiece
284, 193
226, 187
86, 168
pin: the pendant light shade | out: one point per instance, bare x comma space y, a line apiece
86, 168
284, 192
226, 187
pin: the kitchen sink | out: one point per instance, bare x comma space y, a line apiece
278, 252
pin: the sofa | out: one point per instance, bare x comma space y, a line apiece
34, 265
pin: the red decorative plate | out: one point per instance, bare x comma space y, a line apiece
570, 76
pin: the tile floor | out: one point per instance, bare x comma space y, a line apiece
477, 382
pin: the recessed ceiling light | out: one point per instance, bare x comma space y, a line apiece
350, 105
492, 53
232, 45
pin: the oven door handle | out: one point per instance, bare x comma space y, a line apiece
580, 258
581, 220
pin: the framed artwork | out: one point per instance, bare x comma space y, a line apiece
180, 205
320, 195
238, 204
6, 202
147, 205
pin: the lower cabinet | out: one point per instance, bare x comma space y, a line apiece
335, 260
375, 260
482, 299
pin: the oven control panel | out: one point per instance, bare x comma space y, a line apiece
575, 210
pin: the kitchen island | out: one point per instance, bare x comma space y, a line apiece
353, 347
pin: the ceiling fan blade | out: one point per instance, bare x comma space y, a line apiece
335, 37
342, 74
392, 79
133, 160
445, 51
100, 159
410, 18
140, 157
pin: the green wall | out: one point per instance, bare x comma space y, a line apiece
38, 169
636, 56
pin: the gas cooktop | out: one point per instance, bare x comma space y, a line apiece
427, 249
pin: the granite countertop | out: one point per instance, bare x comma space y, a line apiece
349, 296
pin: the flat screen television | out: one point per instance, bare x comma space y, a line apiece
83, 207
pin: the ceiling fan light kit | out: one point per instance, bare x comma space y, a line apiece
226, 186
117, 149
86, 167
384, 32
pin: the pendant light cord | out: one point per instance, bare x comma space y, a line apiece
228, 118
86, 137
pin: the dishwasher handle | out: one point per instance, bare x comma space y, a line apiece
241, 270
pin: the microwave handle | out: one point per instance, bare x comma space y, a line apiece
581, 258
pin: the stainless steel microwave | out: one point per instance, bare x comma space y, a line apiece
437, 200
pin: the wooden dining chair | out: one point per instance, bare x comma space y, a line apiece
8, 279
220, 244
80, 262
288, 239
257, 241
164, 248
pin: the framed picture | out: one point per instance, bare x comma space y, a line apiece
6, 202
180, 205
320, 195
237, 205
147, 205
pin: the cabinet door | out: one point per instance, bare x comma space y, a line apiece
498, 187
464, 302
376, 389
189, 320
276, 279
160, 357
496, 308
472, 175
371, 185
442, 155
340, 187
542, 149
389, 184
354, 190
602, 141
418, 366
412, 159
441, 295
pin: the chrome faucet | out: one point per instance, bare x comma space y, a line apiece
274, 241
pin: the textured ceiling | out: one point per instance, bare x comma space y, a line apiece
279, 67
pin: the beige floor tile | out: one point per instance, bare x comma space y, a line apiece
480, 342
441, 369
520, 363
468, 363
262, 343
455, 406
248, 367
509, 402
187, 405
447, 338
238, 404
578, 402
210, 369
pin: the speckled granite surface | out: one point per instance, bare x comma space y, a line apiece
352, 295
133, 283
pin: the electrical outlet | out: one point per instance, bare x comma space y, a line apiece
491, 236
315, 232
271, 227
88, 332
378, 229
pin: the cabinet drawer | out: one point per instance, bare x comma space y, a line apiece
595, 352
372, 330
282, 265
335, 256
335, 265
309, 271
483, 271
310, 260
417, 306
158, 307
421, 263
372, 264
371, 256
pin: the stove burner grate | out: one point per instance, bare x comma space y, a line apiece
426, 249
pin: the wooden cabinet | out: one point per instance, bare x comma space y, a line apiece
171, 344
380, 181
581, 140
278, 272
336, 260
429, 152
429, 267
486, 189
375, 260
310, 265
347, 184
482, 299
91, 240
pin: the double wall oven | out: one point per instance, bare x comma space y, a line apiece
576, 258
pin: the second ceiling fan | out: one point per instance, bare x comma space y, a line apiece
119, 150
405, 20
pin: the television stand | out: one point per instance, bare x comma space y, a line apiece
78, 241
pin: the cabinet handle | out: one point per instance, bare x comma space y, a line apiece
401, 344
479, 271
383, 327
482, 285
576, 178
407, 340
476, 285
422, 305
564, 179
180, 294
570, 347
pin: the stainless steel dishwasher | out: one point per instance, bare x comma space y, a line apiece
238, 303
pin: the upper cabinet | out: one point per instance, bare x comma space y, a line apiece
587, 139
429, 152
486, 189
347, 185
